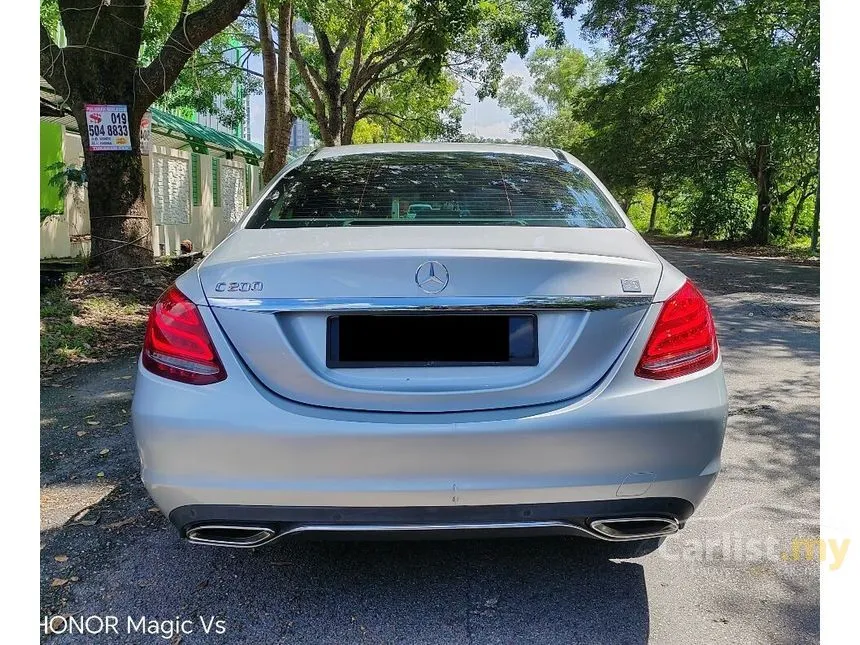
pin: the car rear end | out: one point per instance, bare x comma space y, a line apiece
338, 365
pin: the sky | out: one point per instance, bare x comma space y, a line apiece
482, 118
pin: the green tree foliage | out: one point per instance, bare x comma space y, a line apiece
548, 113
636, 144
211, 82
379, 59
410, 109
743, 81
705, 104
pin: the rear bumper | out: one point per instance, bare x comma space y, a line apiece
236, 445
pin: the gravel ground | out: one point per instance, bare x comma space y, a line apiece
107, 551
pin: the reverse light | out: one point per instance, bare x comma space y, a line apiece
177, 345
684, 339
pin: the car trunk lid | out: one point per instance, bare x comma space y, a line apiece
274, 293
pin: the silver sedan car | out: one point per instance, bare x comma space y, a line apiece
426, 339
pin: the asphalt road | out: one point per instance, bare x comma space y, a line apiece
730, 576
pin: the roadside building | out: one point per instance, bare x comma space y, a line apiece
300, 137
199, 181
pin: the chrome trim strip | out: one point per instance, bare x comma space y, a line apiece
568, 528
395, 528
449, 303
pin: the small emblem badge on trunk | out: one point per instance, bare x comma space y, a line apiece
431, 277
630, 285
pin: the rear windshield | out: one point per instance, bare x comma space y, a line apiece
435, 188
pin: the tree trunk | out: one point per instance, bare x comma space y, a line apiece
276, 87
349, 122
326, 136
763, 175
798, 209
335, 115
284, 106
270, 91
120, 225
816, 217
652, 222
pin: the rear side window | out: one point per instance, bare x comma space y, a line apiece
435, 188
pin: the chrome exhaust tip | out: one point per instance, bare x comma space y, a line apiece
241, 537
634, 528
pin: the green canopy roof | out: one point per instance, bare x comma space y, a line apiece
199, 135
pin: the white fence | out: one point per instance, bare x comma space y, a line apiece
189, 196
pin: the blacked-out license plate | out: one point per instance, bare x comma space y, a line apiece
406, 340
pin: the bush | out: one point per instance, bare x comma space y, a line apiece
721, 209
718, 214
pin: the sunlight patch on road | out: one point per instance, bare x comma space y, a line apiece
61, 502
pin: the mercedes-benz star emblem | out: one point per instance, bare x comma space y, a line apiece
431, 277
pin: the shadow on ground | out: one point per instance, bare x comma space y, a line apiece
499, 591
771, 359
723, 273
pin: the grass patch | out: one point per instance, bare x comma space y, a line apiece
97, 316
81, 328
62, 339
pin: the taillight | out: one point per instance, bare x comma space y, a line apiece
684, 339
177, 345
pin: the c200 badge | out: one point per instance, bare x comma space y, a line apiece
239, 286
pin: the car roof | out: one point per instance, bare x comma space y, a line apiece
379, 148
